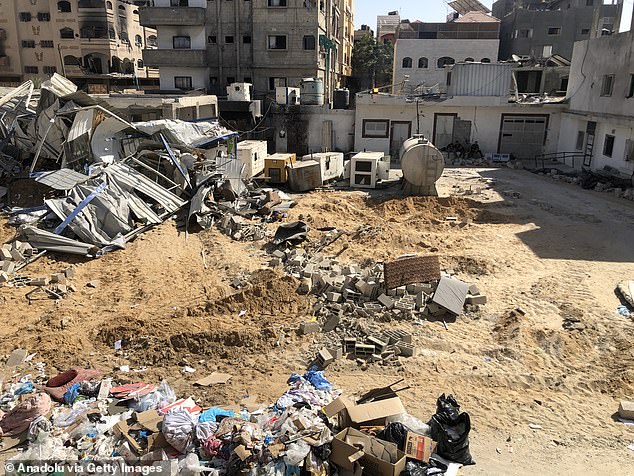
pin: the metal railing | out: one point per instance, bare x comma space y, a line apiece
562, 157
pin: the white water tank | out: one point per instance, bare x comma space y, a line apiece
422, 165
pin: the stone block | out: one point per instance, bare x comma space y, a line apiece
336, 351
407, 350
378, 344
333, 297
40, 281
478, 299
386, 301
16, 255
331, 323
349, 294
5, 255
474, 290
324, 358
8, 267
58, 278
403, 336
626, 409
308, 327
391, 292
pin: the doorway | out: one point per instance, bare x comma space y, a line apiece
400, 131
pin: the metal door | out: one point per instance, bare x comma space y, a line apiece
400, 131
522, 136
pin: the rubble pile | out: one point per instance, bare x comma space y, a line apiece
81, 421
607, 182
77, 178
353, 299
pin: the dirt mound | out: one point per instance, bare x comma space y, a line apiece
427, 209
468, 265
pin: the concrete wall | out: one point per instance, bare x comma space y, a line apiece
197, 35
434, 50
485, 114
199, 77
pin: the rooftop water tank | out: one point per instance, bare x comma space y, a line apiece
341, 99
312, 91
422, 165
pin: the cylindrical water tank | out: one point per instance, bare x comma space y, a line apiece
312, 91
341, 99
422, 165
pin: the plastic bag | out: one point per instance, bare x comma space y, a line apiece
178, 429
447, 409
296, 453
414, 468
411, 422
213, 413
163, 396
394, 433
452, 434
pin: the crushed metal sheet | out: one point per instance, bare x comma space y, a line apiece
45, 240
62, 179
409, 270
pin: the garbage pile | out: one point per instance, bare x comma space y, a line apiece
81, 419
79, 179
352, 299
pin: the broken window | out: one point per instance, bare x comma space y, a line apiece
376, 128
554, 30
44, 16
138, 40
246, 39
608, 145
181, 42
407, 62
547, 51
63, 7
607, 85
423, 62
71, 60
485, 60
139, 64
229, 39
585, 31
31, 70
25, 16
183, 82
277, 42
469, 60
211, 39
445, 61
151, 40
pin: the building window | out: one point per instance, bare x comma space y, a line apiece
109, 5
66, 33
181, 42
309, 42
608, 145
547, 51
608, 85
138, 40
407, 62
580, 136
423, 62
554, 30
277, 3
276, 83
25, 16
183, 82
151, 40
524, 33
277, 42
485, 60
179, 3
445, 61
231, 80
585, 31
469, 60
63, 7
213, 80
50, 70
44, 16
139, 64
28, 43
111, 34
630, 89
229, 39
449, 78
31, 70
246, 39
376, 128
70, 60
211, 39
46, 43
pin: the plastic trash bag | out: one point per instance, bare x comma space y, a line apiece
450, 429
213, 413
411, 422
315, 377
296, 453
178, 429
394, 433
163, 396
414, 468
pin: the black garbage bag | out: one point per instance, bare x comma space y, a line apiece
394, 433
414, 468
447, 409
452, 437
292, 233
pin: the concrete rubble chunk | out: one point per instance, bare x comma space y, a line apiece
324, 358
8, 267
40, 281
16, 255
331, 323
477, 299
626, 409
474, 290
69, 272
5, 254
451, 294
308, 327
386, 301
4, 277
58, 278
407, 350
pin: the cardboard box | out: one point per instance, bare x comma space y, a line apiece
367, 414
419, 447
353, 451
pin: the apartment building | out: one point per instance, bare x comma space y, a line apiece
386, 26
362, 32
423, 50
97, 44
269, 43
542, 29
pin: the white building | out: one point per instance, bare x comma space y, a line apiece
424, 49
599, 124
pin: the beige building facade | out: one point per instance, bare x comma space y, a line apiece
269, 43
97, 44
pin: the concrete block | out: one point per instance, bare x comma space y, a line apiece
349, 294
403, 336
331, 323
421, 300
404, 305
363, 350
626, 410
69, 272
386, 301
5, 255
378, 344
407, 350
349, 344
336, 351
308, 327
474, 290
391, 292
324, 358
279, 254
40, 281
4, 277
16, 255
305, 285
400, 291
8, 267
333, 297
275, 262
58, 278
478, 299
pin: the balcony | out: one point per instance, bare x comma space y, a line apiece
171, 16
182, 58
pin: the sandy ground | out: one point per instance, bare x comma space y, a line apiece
557, 251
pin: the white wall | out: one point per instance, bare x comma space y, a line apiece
434, 50
196, 33
342, 126
199, 77
485, 114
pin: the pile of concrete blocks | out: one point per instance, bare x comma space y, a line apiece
12, 255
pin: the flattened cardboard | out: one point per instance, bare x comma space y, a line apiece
351, 449
366, 414
216, 378
419, 447
242, 452
149, 419
16, 357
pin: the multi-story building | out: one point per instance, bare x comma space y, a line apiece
269, 43
386, 26
542, 29
95, 43
365, 30
424, 49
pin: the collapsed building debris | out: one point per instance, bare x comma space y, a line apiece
79, 179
